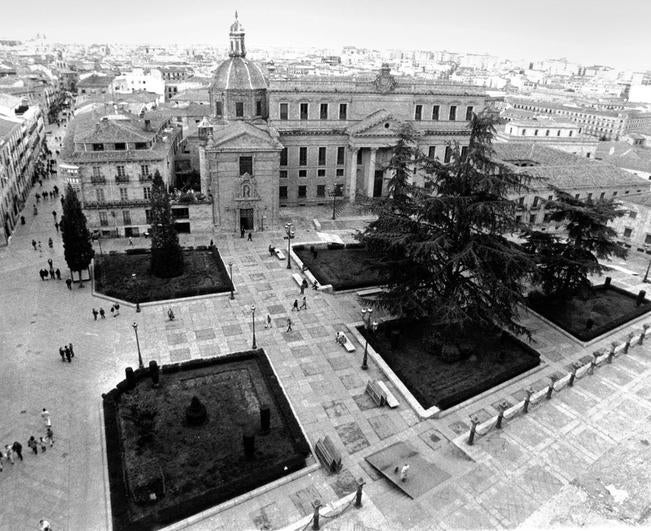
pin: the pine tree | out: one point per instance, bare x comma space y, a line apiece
77, 244
442, 245
566, 261
166, 253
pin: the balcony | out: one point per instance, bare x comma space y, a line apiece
97, 179
145, 178
120, 179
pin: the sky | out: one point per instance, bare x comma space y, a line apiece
583, 31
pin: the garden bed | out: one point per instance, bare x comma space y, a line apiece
342, 266
204, 273
606, 305
435, 383
152, 449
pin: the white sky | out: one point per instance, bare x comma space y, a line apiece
585, 31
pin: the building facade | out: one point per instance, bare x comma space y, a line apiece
269, 145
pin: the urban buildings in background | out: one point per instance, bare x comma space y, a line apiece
239, 134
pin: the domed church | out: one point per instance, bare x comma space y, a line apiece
274, 143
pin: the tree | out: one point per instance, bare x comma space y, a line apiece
166, 253
77, 245
442, 245
564, 262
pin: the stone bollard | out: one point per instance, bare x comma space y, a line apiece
640, 297
527, 399
611, 352
358, 494
607, 282
315, 517
131, 378
550, 389
627, 345
473, 428
644, 328
500, 416
265, 419
570, 383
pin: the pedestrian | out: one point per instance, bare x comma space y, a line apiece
69, 283
272, 250
66, 350
102, 314
212, 243
18, 449
58, 274
117, 310
303, 286
289, 324
250, 238
52, 274
303, 304
45, 414
32, 444
40, 274
267, 323
50, 436
9, 454
56, 226
315, 284
72, 351
54, 215
34, 244
45, 525
43, 446
130, 241
295, 306
62, 354
56, 190
50, 243
403, 472
95, 314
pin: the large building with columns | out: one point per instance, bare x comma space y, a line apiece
288, 142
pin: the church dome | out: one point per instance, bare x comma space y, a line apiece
238, 73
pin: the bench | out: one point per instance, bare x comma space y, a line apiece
388, 395
373, 390
298, 279
279, 254
328, 454
346, 343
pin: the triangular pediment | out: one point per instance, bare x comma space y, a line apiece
379, 123
243, 136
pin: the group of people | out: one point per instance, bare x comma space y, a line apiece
303, 306
10, 452
67, 353
51, 272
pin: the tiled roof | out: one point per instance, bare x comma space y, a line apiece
566, 171
625, 156
7, 126
95, 80
638, 199
198, 94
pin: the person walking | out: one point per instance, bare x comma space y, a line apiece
295, 306
54, 215
250, 238
102, 313
272, 250
303, 286
56, 226
62, 354
268, 322
52, 274
34, 244
95, 314
72, 351
18, 449
50, 436
32, 444
50, 243
58, 274
9, 454
69, 283
289, 324
66, 350
303, 304
43, 445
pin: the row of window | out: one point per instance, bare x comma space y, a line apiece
322, 156
304, 111
537, 201
321, 172
536, 131
118, 146
436, 111
177, 213
302, 191
239, 109
121, 172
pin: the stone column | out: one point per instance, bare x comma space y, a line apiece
352, 175
370, 178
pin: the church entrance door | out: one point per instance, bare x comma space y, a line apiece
246, 219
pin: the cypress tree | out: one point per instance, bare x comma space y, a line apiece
77, 244
166, 253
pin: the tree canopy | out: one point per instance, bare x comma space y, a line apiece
166, 253
77, 244
441, 242
565, 261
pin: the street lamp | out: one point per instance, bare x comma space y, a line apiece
289, 230
141, 365
334, 194
254, 346
368, 326
135, 287
230, 266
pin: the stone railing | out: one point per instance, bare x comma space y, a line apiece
599, 358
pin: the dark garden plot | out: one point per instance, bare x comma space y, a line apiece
589, 315
344, 267
197, 439
435, 382
204, 273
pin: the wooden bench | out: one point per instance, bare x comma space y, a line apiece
298, 279
279, 254
346, 343
375, 393
388, 395
328, 454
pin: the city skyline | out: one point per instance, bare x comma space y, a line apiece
578, 30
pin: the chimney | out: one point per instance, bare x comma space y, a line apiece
147, 125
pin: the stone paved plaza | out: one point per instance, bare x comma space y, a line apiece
559, 466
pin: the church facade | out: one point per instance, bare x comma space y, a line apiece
272, 144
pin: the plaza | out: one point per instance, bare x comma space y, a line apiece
572, 461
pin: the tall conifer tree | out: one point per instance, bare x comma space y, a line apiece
77, 244
166, 253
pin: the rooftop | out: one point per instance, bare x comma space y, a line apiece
623, 155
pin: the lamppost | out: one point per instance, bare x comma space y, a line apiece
368, 326
334, 194
230, 267
136, 290
141, 365
646, 275
289, 230
254, 346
